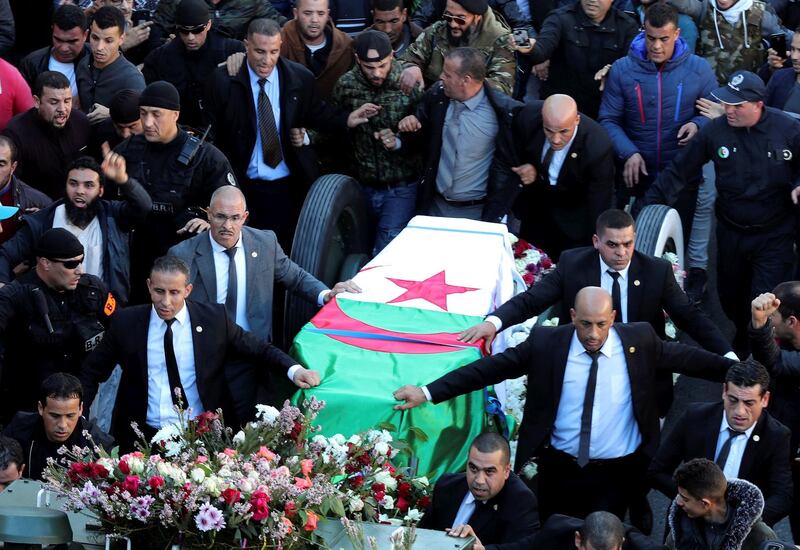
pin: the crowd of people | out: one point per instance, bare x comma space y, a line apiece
154, 160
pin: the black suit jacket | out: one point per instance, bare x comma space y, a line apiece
585, 183
543, 357
765, 462
503, 185
214, 335
558, 533
655, 293
506, 522
232, 114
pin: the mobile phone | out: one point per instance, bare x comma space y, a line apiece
778, 43
520, 37
140, 16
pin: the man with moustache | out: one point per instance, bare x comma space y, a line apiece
466, 23
387, 172
15, 193
48, 136
102, 226
391, 17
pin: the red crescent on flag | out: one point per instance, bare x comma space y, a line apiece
332, 317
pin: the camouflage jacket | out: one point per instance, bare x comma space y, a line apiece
229, 17
729, 48
492, 37
371, 163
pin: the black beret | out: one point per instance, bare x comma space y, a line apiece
191, 13
477, 7
58, 243
162, 95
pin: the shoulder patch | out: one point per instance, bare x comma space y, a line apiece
111, 305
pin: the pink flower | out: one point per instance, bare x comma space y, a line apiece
263, 452
259, 505
209, 518
229, 452
311, 521
306, 466
302, 483
131, 484
201, 459
155, 482
290, 509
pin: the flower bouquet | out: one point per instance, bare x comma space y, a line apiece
531, 263
669, 327
198, 486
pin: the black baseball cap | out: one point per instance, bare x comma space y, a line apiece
372, 40
743, 86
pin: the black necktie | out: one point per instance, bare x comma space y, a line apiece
545, 172
616, 295
270, 144
726, 448
586, 416
233, 287
172, 365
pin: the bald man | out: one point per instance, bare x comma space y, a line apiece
590, 420
567, 173
251, 258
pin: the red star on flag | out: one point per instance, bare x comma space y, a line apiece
433, 289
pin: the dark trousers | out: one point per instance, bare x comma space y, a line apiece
274, 205
750, 263
609, 485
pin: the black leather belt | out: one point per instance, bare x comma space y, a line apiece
476, 202
755, 227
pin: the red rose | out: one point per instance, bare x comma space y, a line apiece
131, 484
528, 278
99, 470
423, 502
403, 489
378, 487
258, 505
155, 482
363, 459
379, 495
231, 496
547, 263
402, 504
311, 521
356, 481
205, 421
123, 467
290, 509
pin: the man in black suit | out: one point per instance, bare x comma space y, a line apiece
171, 353
270, 154
489, 501
568, 176
598, 530
592, 454
643, 288
739, 435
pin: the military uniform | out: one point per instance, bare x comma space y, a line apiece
492, 37
32, 351
756, 170
728, 48
180, 188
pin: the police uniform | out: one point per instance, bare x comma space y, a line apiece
46, 331
180, 177
756, 169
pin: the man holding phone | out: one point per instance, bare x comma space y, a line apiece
783, 89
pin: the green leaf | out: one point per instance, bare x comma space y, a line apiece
388, 426
419, 434
337, 507
325, 508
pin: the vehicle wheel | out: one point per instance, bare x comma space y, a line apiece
332, 230
351, 265
659, 230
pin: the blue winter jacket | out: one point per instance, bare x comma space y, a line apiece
643, 107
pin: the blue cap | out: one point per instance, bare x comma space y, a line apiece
743, 86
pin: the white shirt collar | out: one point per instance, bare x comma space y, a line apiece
723, 427
623, 273
608, 349
216, 247
469, 498
182, 316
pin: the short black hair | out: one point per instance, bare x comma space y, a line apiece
470, 62
387, 5
603, 530
10, 452
701, 478
660, 14
265, 27
69, 16
109, 16
490, 442
747, 374
171, 264
613, 219
49, 79
789, 295
87, 163
12, 147
60, 385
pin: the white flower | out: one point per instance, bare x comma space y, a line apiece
197, 475
355, 439
246, 486
209, 518
211, 485
238, 439
413, 515
423, 481
382, 448
267, 414
356, 504
168, 432
338, 439
386, 478
320, 440
387, 502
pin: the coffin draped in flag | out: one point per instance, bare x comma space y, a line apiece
438, 277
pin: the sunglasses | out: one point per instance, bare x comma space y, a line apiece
449, 17
68, 264
192, 30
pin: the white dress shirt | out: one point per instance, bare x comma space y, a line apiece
160, 411
221, 266
558, 158
607, 284
465, 511
257, 168
736, 453
615, 432
91, 237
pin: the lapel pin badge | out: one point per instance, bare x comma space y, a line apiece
574, 155
632, 349
254, 254
636, 282
756, 438
199, 329
495, 507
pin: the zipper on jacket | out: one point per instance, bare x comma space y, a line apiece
658, 125
678, 103
641, 102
